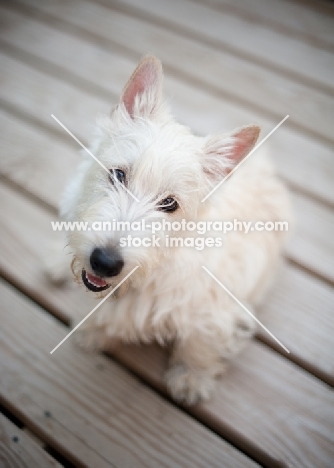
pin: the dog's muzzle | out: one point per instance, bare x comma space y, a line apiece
105, 263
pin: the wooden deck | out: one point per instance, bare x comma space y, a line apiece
227, 63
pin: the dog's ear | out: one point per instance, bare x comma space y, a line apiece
222, 153
142, 94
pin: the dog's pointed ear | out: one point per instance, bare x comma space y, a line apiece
143, 93
222, 153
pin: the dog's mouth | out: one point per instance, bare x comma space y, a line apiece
94, 283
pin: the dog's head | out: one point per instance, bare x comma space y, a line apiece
151, 168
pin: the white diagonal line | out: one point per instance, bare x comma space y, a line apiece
245, 308
95, 308
92, 155
251, 152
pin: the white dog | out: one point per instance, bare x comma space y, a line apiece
170, 298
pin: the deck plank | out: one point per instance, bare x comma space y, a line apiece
18, 450
243, 409
98, 415
104, 69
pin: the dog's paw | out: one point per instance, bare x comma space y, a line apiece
189, 386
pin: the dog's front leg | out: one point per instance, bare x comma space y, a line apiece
197, 361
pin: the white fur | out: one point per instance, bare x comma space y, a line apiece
170, 298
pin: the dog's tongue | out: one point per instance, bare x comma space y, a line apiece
99, 282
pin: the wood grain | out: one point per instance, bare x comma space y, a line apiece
258, 401
18, 450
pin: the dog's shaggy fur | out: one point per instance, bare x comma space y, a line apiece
170, 298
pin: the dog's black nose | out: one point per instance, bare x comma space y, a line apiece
106, 262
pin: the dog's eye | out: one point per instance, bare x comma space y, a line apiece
117, 174
168, 205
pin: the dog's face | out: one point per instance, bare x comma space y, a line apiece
151, 169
